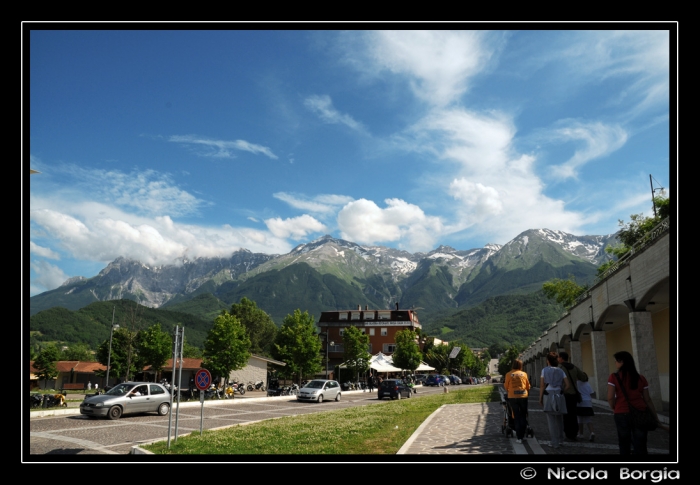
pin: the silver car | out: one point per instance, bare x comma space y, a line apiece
128, 398
319, 390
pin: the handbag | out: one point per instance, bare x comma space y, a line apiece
643, 420
578, 394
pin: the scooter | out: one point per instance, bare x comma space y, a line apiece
35, 400
55, 400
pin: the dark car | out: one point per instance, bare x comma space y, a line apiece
394, 389
435, 380
455, 380
420, 379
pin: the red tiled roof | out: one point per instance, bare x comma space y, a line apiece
187, 363
76, 365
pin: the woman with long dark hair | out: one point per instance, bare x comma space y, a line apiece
625, 387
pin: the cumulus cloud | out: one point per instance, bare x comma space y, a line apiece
364, 222
439, 64
596, 140
294, 227
221, 148
48, 276
42, 251
323, 107
323, 204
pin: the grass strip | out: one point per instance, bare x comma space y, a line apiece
380, 428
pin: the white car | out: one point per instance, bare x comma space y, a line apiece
319, 390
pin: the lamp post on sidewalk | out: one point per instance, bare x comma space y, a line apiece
109, 354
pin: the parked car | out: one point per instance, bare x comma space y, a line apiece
319, 390
455, 380
128, 398
393, 388
420, 379
446, 379
435, 380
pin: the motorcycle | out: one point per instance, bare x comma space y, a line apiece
250, 386
55, 400
260, 385
238, 386
35, 400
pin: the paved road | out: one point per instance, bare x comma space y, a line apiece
76, 435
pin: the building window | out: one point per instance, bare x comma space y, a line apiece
354, 315
369, 315
384, 332
389, 348
371, 332
343, 316
362, 330
341, 332
369, 348
384, 315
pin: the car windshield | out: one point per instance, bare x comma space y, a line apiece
120, 390
315, 384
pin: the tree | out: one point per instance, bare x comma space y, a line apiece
226, 347
45, 363
437, 356
563, 291
154, 347
505, 363
121, 362
355, 354
190, 351
298, 345
261, 329
407, 354
78, 351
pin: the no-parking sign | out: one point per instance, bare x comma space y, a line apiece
202, 379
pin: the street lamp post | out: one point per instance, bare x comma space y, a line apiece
109, 354
327, 344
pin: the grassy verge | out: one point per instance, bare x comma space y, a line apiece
376, 429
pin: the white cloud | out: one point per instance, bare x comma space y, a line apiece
295, 227
598, 140
364, 222
323, 204
222, 148
48, 276
438, 64
42, 251
323, 107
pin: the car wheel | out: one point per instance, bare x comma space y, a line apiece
115, 412
380, 397
163, 409
320, 398
409, 394
337, 397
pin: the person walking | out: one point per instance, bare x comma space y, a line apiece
584, 409
89, 386
370, 383
627, 386
552, 381
571, 395
518, 385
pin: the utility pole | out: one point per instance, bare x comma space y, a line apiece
653, 202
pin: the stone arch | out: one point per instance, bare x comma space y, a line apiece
619, 314
580, 329
658, 294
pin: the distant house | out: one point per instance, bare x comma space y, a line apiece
255, 370
69, 371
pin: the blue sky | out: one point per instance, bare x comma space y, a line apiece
158, 145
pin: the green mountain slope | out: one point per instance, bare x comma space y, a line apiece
91, 324
509, 319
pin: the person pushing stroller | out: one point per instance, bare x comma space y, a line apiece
517, 384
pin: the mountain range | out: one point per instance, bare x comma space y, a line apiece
330, 273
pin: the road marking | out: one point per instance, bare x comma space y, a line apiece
84, 443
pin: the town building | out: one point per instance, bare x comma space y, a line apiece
380, 325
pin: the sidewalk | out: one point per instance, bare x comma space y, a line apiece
476, 429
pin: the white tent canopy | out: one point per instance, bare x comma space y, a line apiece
385, 363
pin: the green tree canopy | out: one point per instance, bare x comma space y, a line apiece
505, 363
563, 291
298, 345
78, 351
45, 363
407, 355
355, 354
122, 363
154, 347
226, 347
261, 329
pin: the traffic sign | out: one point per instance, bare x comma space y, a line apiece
202, 379
455, 352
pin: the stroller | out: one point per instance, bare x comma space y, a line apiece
508, 426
